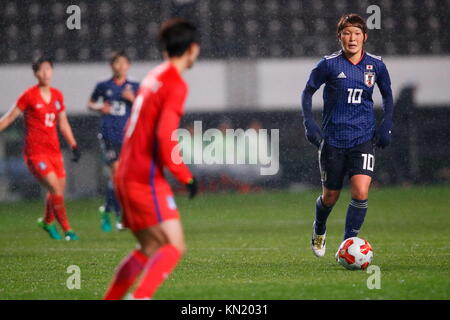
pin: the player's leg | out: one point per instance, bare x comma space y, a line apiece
169, 239
39, 167
160, 248
332, 171
106, 209
361, 164
114, 203
357, 209
47, 222
150, 239
56, 186
110, 155
151, 213
61, 213
324, 204
49, 215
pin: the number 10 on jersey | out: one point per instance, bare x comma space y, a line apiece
354, 95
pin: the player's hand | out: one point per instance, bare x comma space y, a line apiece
383, 135
313, 133
106, 109
128, 93
192, 187
76, 154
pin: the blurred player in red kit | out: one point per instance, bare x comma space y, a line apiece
149, 208
43, 108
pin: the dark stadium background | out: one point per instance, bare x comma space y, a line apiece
236, 33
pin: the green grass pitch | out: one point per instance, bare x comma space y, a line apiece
243, 246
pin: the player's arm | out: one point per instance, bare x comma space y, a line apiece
102, 108
383, 133
316, 79
93, 105
169, 122
9, 117
66, 131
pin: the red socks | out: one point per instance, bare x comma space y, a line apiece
49, 217
128, 270
157, 270
57, 204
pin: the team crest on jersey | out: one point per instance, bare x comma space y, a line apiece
369, 67
369, 78
57, 105
42, 165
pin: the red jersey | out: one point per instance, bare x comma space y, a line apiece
150, 142
41, 136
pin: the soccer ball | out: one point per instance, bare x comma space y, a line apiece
355, 254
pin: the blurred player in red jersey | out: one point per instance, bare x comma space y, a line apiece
43, 108
149, 208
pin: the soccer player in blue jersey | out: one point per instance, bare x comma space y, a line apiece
113, 99
349, 134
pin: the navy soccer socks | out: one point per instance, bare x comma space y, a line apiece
111, 201
322, 213
356, 213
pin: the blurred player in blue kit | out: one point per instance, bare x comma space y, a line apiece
113, 99
349, 134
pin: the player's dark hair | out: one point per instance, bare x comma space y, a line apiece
39, 61
351, 20
117, 54
176, 36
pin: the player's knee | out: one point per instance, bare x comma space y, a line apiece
360, 194
56, 190
150, 249
329, 199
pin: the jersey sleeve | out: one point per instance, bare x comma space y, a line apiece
317, 77
23, 102
98, 92
172, 111
384, 84
61, 106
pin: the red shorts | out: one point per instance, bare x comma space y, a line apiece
41, 165
145, 205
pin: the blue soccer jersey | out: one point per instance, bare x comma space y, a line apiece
348, 117
112, 125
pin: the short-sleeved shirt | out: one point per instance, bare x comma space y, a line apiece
41, 136
113, 124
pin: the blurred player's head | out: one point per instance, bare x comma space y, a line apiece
120, 63
352, 33
43, 70
178, 38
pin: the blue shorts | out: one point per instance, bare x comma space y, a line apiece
336, 163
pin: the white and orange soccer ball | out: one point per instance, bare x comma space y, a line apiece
355, 254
